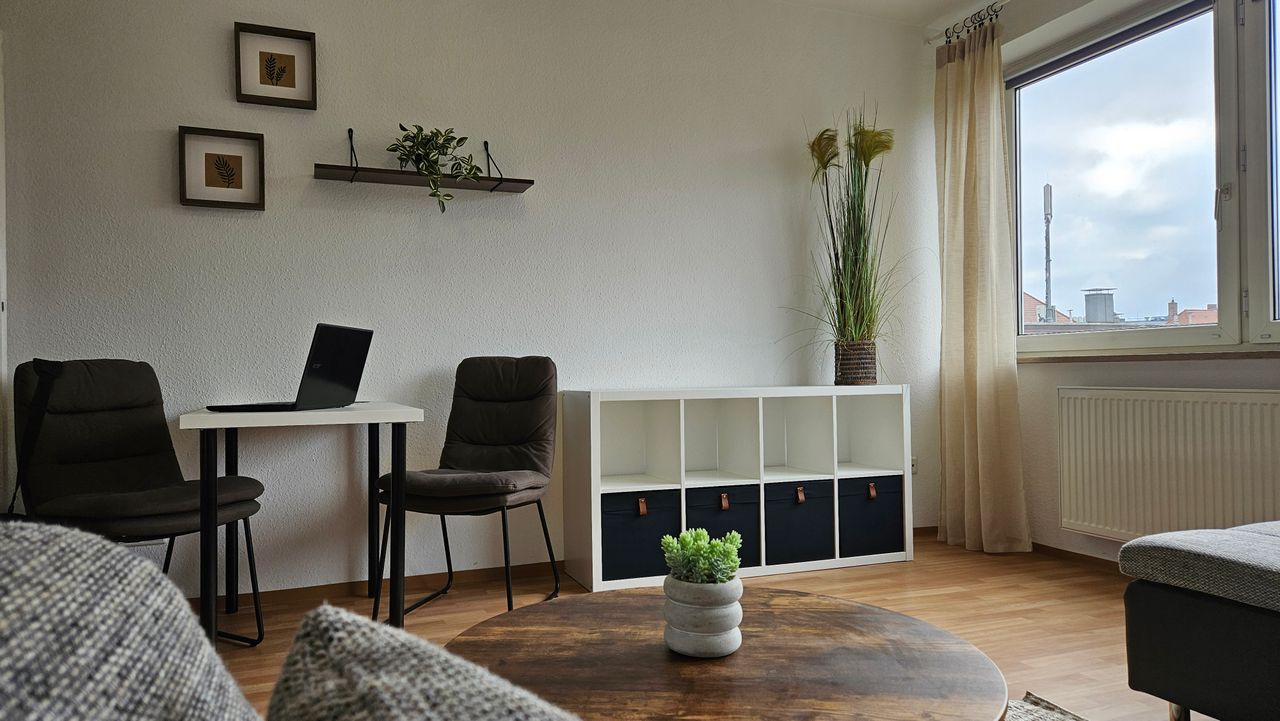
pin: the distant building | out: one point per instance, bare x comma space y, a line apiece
1100, 306
1033, 310
1192, 316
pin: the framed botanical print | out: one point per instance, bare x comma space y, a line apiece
220, 168
275, 66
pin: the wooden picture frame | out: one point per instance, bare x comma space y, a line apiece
221, 168
275, 66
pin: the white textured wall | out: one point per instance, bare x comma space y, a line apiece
667, 233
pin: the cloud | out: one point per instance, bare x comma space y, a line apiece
1127, 158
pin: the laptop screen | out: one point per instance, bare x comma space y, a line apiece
334, 367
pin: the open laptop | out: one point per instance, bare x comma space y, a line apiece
332, 376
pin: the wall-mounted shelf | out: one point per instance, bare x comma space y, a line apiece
391, 176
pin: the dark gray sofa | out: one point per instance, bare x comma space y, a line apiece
1202, 620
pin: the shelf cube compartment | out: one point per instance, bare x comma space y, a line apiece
869, 435
721, 509
721, 440
639, 445
871, 516
799, 438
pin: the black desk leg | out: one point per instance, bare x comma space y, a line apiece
231, 552
375, 468
209, 532
396, 604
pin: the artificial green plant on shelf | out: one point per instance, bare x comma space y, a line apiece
695, 557
430, 152
853, 283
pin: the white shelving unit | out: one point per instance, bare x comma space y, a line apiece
648, 448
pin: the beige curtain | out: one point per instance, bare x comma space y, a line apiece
983, 505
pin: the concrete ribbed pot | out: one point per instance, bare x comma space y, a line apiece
703, 618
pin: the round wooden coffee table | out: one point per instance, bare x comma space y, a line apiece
601, 655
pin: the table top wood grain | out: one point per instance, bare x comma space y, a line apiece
602, 656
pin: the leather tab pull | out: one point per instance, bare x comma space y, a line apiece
871, 490
644, 506
724, 501
799, 494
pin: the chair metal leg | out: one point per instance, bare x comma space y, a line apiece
231, 570
506, 559
448, 584
168, 555
448, 563
231, 551
551, 554
382, 567
257, 596
1179, 713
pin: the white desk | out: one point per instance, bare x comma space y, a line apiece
370, 414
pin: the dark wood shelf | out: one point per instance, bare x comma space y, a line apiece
391, 176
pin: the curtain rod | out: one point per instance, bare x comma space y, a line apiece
969, 22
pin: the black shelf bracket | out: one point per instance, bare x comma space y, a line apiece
488, 159
355, 162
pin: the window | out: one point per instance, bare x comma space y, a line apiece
1123, 167
1259, 162
1273, 111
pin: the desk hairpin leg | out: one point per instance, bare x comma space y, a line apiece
375, 469
209, 532
396, 509
231, 552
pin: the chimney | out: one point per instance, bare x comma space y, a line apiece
1173, 312
1213, 306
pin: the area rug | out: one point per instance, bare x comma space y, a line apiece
1034, 708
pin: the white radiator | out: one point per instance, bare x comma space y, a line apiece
1133, 461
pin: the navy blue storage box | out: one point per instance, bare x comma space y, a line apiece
871, 516
631, 526
738, 510
799, 521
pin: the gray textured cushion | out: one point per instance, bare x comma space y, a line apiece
450, 483
89, 630
171, 498
1241, 563
344, 666
168, 524
467, 505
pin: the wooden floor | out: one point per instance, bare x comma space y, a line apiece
1054, 624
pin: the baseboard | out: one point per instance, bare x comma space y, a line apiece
931, 533
1100, 563
413, 585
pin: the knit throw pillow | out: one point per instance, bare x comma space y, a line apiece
89, 630
344, 666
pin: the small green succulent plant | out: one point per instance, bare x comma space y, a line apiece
695, 557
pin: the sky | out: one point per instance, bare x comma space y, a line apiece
1128, 142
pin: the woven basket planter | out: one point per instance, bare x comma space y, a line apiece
856, 363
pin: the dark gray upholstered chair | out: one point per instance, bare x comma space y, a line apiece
497, 455
103, 462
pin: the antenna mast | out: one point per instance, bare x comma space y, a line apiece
1050, 315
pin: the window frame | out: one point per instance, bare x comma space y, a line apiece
1256, 154
1228, 331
